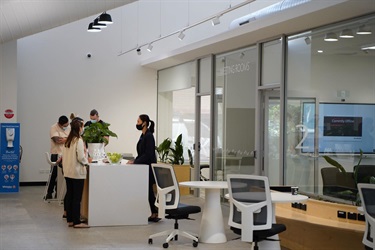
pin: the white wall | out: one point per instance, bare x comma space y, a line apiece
56, 77
8, 80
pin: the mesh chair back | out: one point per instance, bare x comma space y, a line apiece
165, 179
367, 193
250, 190
368, 198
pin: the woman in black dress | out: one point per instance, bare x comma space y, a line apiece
146, 155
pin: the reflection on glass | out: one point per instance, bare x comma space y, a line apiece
331, 94
234, 107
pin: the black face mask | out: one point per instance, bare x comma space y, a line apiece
139, 126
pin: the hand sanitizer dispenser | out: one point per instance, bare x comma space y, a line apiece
10, 136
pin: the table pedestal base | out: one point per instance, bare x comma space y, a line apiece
212, 224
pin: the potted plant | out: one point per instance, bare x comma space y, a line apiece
96, 136
177, 153
350, 177
173, 153
163, 150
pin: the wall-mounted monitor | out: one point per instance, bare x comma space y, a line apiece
344, 128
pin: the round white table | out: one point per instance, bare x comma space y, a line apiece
212, 224
279, 197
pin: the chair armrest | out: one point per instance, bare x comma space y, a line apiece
247, 215
161, 200
371, 221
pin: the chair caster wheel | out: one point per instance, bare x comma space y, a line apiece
165, 245
195, 243
150, 241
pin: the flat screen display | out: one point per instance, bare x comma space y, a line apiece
343, 128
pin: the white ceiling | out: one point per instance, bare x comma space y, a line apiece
21, 18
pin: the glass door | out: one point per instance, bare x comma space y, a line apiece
272, 131
234, 113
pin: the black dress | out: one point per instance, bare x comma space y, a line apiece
146, 155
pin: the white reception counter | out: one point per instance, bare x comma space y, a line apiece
116, 195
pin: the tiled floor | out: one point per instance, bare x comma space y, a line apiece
27, 222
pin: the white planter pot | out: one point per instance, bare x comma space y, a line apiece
96, 151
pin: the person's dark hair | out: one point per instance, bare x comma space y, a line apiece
75, 125
63, 119
76, 119
94, 112
149, 123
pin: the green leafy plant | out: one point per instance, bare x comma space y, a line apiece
97, 133
177, 153
371, 179
163, 150
171, 153
334, 163
341, 168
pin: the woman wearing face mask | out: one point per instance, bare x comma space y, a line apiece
75, 163
146, 155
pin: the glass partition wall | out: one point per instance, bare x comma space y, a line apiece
234, 113
176, 105
298, 101
330, 109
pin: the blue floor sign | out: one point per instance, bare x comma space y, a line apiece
9, 157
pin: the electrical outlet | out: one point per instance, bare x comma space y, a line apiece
352, 216
299, 206
361, 217
341, 214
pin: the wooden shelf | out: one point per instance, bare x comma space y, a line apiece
319, 227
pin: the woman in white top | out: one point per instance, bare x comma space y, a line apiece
74, 165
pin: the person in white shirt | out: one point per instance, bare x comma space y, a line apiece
58, 134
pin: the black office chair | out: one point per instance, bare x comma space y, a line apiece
167, 201
250, 213
367, 193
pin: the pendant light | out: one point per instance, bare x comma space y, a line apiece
330, 37
364, 30
105, 18
347, 33
98, 25
92, 29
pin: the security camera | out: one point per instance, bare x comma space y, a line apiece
88, 55
139, 52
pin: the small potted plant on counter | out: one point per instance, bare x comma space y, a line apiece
96, 136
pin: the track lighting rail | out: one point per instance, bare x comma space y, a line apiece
180, 31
